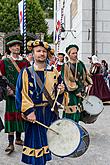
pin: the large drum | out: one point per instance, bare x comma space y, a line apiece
92, 106
72, 140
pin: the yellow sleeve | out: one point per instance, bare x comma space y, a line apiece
27, 103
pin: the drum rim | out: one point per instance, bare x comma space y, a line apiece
91, 114
84, 130
78, 126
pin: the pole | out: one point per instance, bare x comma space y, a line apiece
24, 26
55, 20
93, 27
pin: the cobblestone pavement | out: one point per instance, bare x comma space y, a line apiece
98, 152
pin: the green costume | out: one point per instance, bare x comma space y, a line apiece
76, 79
13, 120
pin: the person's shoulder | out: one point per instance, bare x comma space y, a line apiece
66, 63
5, 61
54, 71
6, 58
81, 62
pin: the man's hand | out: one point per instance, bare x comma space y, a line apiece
9, 91
61, 87
31, 117
79, 94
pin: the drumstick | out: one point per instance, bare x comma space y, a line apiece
87, 100
38, 122
46, 126
52, 109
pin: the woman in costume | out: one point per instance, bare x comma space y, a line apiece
104, 69
35, 105
99, 88
76, 78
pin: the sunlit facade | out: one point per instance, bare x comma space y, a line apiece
78, 16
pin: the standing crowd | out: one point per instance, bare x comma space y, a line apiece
30, 85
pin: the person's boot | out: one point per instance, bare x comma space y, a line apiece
10, 147
18, 140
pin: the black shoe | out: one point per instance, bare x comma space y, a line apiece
10, 149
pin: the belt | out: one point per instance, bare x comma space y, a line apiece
41, 105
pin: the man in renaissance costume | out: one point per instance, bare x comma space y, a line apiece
60, 61
76, 78
35, 104
10, 68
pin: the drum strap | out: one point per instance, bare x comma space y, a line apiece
46, 93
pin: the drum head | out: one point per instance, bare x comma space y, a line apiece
68, 139
92, 105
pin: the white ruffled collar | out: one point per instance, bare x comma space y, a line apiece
20, 58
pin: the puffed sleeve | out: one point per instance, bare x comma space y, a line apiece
23, 102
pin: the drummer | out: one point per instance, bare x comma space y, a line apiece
35, 105
76, 78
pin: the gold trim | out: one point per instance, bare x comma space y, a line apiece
31, 84
35, 152
41, 105
31, 92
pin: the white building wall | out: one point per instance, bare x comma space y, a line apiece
102, 29
76, 25
82, 23
86, 29
103, 35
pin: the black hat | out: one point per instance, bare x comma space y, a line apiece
71, 46
61, 54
